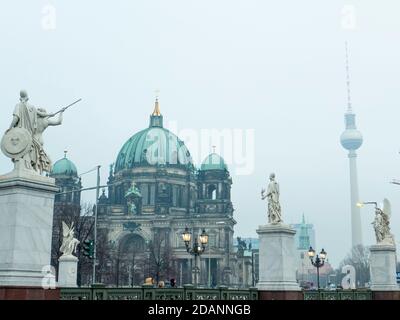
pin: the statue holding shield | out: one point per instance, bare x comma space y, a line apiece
23, 141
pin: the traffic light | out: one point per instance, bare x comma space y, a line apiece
88, 248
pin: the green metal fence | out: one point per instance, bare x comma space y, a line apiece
99, 292
338, 295
151, 293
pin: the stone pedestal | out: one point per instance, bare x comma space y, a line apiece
383, 268
26, 218
67, 271
277, 258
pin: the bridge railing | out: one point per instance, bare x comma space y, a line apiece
151, 293
188, 292
338, 295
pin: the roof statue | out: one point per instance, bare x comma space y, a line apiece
133, 195
133, 191
111, 169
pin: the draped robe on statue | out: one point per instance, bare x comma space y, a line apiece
28, 119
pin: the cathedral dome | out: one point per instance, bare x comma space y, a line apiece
64, 167
214, 162
153, 146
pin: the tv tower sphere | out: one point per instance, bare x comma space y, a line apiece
351, 139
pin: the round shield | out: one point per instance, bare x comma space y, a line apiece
16, 143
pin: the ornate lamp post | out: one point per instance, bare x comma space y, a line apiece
196, 250
318, 262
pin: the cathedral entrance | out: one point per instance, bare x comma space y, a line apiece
131, 261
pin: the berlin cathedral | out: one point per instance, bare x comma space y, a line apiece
154, 191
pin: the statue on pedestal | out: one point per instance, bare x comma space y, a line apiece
69, 243
23, 141
381, 224
272, 194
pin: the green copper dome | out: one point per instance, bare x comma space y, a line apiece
64, 167
214, 162
153, 146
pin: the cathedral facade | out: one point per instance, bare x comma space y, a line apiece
154, 191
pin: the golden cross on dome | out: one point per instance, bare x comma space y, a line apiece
156, 111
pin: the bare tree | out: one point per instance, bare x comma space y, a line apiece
161, 257
359, 259
104, 271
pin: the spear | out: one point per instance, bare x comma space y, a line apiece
65, 108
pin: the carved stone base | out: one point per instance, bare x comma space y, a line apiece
26, 218
383, 268
276, 256
20, 173
67, 271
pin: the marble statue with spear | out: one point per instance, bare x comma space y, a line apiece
23, 141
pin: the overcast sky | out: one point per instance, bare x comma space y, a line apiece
275, 67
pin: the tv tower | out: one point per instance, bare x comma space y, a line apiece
351, 139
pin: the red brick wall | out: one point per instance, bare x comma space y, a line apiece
386, 295
28, 293
280, 295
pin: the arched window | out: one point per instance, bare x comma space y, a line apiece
212, 192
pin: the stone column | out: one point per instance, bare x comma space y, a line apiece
195, 270
277, 258
383, 268
203, 270
26, 218
67, 271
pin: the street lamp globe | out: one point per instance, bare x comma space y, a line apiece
203, 238
360, 204
311, 253
323, 254
186, 236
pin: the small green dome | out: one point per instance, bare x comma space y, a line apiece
64, 167
214, 162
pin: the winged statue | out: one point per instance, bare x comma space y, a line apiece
69, 243
382, 224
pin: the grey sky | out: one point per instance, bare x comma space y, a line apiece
273, 66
